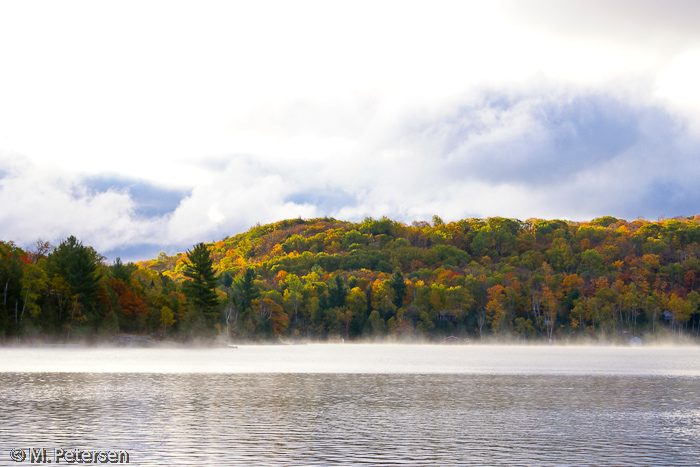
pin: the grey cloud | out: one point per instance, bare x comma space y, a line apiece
649, 24
140, 251
579, 157
667, 198
149, 200
534, 140
648, 181
326, 201
624, 199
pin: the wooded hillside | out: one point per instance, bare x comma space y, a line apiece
324, 278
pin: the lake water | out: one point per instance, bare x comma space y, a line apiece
357, 405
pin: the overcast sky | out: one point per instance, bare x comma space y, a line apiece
143, 126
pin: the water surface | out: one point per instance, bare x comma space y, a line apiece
358, 404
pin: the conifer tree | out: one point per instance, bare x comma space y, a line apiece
398, 283
201, 288
337, 292
246, 290
78, 265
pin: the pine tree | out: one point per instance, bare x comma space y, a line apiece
398, 283
122, 271
337, 292
77, 264
245, 289
201, 288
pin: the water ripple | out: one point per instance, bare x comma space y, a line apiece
357, 419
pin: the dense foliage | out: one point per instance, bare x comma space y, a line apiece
323, 278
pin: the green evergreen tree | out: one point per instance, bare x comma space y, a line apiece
245, 290
398, 283
122, 271
83, 277
337, 292
201, 288
78, 265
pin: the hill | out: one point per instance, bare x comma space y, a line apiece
531, 279
324, 278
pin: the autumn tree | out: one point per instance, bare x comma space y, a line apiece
293, 294
495, 308
166, 318
41, 250
375, 324
34, 283
130, 304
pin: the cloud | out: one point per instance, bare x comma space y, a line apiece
538, 139
326, 201
43, 203
234, 199
640, 23
577, 157
153, 130
537, 155
149, 200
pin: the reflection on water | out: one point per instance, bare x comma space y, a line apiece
369, 418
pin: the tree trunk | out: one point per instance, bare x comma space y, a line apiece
7, 284
24, 306
72, 313
480, 320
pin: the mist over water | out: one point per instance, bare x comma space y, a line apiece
360, 358
358, 404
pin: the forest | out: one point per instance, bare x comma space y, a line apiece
496, 279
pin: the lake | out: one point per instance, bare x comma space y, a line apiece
357, 404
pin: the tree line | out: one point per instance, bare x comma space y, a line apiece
376, 279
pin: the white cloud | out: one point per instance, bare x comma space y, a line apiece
40, 203
677, 87
260, 111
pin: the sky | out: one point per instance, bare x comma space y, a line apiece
148, 126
